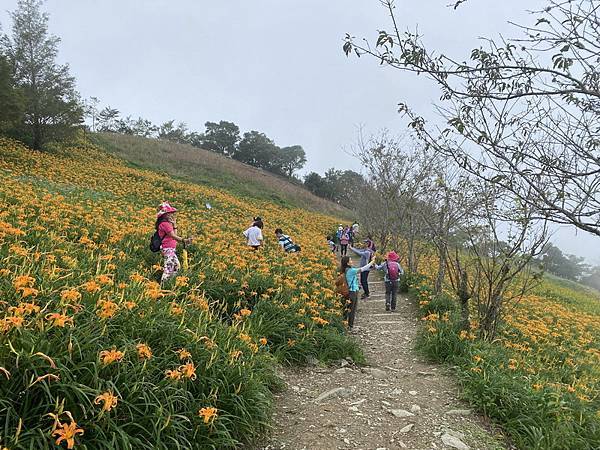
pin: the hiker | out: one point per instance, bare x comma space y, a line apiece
393, 270
166, 227
254, 234
338, 236
286, 242
344, 240
350, 236
331, 244
366, 255
370, 244
351, 275
355, 228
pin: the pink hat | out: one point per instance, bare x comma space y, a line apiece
165, 208
393, 256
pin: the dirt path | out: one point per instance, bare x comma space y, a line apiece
398, 401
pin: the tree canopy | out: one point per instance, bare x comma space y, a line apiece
52, 107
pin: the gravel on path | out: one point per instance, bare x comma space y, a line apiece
398, 401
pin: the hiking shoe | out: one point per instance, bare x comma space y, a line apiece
387, 307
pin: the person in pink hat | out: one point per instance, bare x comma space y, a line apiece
393, 270
166, 226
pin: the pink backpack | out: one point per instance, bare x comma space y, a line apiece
393, 270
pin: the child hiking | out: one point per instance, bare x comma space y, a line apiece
286, 242
366, 255
351, 277
393, 270
331, 244
166, 231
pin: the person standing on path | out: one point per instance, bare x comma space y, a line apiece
344, 240
351, 274
166, 227
366, 255
370, 244
393, 270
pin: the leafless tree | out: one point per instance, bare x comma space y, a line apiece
522, 113
446, 204
397, 169
494, 268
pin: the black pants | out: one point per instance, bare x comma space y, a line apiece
364, 282
343, 249
391, 288
351, 306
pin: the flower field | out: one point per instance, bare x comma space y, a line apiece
95, 355
540, 379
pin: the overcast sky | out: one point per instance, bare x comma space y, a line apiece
275, 66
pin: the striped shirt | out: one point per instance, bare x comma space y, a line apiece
287, 244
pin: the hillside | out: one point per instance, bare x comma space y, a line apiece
95, 354
205, 167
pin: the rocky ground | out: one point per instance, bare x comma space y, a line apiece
398, 401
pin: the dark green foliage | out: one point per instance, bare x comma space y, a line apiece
291, 159
554, 261
257, 150
340, 186
51, 104
11, 98
222, 137
171, 132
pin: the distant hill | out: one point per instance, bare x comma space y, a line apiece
206, 167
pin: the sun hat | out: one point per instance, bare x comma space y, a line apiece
393, 256
165, 208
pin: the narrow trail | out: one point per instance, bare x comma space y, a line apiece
398, 401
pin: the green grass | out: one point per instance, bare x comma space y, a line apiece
74, 231
529, 399
208, 168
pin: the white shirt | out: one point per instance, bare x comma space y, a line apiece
254, 235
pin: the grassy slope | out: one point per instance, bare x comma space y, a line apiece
540, 379
205, 167
570, 294
76, 276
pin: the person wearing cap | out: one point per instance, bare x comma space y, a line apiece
166, 226
366, 255
392, 270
